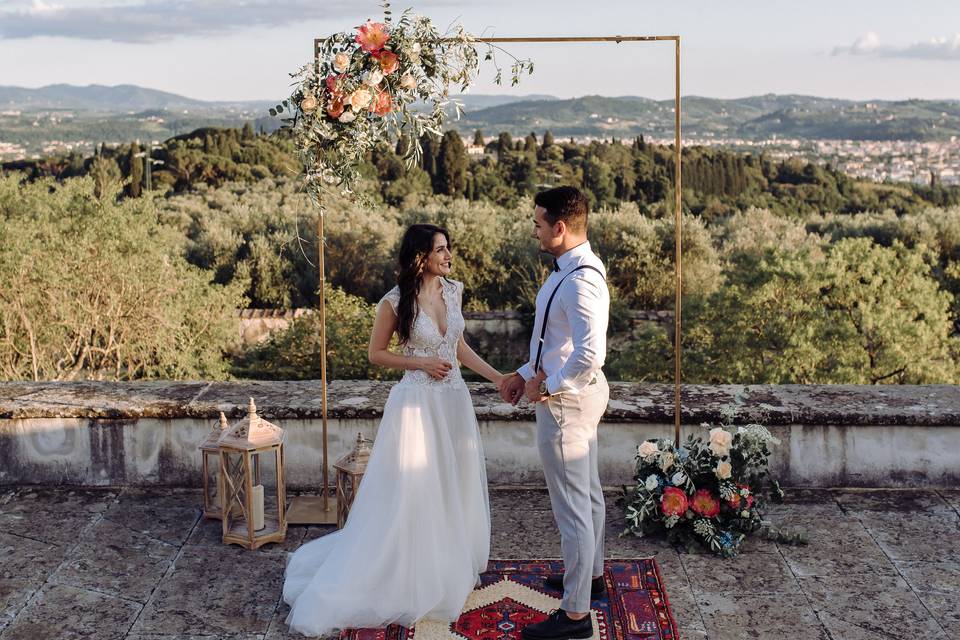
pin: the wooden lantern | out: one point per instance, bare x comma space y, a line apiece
350, 469
212, 480
251, 517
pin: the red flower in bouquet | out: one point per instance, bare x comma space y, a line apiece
389, 61
335, 108
381, 103
334, 84
705, 504
673, 502
372, 36
734, 501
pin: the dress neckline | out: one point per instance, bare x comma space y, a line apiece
446, 311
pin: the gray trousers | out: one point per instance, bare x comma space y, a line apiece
567, 441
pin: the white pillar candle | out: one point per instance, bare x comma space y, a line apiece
257, 496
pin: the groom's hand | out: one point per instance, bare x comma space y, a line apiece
532, 387
511, 388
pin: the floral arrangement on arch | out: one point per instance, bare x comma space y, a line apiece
705, 493
382, 82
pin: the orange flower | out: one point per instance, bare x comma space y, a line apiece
381, 104
389, 62
372, 36
705, 504
335, 108
734, 501
334, 84
673, 502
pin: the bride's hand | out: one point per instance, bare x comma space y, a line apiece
435, 367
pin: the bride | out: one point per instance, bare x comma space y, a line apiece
418, 534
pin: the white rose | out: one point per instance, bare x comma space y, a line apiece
360, 99
652, 482
648, 449
720, 441
407, 81
723, 470
341, 62
374, 77
666, 460
347, 116
678, 478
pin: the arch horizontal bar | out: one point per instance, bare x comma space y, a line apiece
578, 39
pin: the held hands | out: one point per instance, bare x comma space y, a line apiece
511, 388
435, 367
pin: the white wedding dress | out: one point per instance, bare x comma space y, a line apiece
418, 534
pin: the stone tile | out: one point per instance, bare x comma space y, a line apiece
751, 573
760, 617
171, 525
228, 636
278, 629
937, 577
945, 608
837, 546
65, 613
162, 497
804, 501
952, 497
869, 606
24, 567
214, 591
917, 536
53, 515
892, 501
682, 600
520, 499
113, 559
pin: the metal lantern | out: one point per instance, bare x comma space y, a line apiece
212, 485
253, 514
350, 469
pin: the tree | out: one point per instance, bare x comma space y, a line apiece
106, 176
247, 133
451, 165
135, 160
504, 145
547, 140
478, 138
94, 289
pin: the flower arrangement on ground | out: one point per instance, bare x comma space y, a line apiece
708, 493
381, 82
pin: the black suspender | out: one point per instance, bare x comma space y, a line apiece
546, 312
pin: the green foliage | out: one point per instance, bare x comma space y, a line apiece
94, 289
294, 354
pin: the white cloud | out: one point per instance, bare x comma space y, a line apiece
938, 48
158, 20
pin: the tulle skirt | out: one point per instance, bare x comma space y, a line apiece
418, 534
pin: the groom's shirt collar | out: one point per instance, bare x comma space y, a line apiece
571, 256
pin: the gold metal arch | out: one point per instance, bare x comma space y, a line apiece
313, 510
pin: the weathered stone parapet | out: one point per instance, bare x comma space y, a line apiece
146, 433
838, 405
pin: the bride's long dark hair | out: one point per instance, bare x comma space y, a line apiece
415, 248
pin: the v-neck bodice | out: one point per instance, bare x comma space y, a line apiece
426, 340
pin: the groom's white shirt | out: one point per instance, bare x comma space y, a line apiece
575, 344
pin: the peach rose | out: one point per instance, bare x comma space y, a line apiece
648, 449
723, 470
407, 81
381, 104
347, 117
308, 104
360, 98
720, 441
341, 62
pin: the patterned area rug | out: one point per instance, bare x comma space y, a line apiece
512, 595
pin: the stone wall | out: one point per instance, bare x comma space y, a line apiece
146, 433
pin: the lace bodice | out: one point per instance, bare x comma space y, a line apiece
426, 341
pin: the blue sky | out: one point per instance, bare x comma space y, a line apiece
222, 50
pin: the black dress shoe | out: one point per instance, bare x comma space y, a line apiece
559, 627
598, 588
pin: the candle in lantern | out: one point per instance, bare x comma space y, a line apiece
257, 501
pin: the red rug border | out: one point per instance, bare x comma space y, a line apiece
656, 570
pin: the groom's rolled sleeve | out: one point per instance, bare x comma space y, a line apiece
587, 311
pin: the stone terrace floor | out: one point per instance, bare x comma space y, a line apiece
143, 564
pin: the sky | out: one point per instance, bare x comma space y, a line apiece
245, 50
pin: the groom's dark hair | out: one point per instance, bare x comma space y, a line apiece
564, 203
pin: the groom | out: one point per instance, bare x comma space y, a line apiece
564, 380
